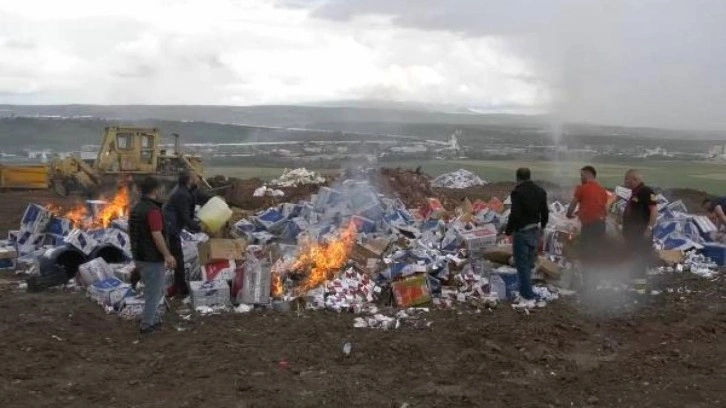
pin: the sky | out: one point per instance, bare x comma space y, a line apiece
625, 62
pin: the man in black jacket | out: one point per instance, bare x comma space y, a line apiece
150, 252
639, 219
179, 215
528, 217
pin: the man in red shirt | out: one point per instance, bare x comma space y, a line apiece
150, 251
591, 200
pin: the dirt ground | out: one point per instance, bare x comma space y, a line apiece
663, 350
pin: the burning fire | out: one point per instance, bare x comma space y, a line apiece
80, 217
277, 287
324, 260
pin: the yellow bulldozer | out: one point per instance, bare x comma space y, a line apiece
125, 152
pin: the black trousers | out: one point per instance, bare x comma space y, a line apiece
175, 247
592, 240
640, 248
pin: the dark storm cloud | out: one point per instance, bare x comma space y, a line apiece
636, 62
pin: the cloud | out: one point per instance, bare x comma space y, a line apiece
243, 52
636, 62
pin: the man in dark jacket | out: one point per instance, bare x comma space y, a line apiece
179, 215
150, 252
528, 217
639, 219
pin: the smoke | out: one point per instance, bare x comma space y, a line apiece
607, 288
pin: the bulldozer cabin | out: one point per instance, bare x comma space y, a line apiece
124, 152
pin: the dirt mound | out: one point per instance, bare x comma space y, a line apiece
690, 197
14, 203
239, 193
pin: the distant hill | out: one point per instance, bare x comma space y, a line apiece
69, 126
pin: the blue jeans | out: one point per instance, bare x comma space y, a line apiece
525, 256
153, 275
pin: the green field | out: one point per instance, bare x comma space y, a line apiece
705, 176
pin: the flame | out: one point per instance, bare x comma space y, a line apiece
117, 207
324, 260
277, 287
80, 217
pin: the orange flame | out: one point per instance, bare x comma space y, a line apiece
117, 207
324, 260
79, 216
277, 287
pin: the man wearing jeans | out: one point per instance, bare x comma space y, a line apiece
150, 251
527, 219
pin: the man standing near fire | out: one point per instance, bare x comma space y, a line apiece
639, 219
179, 215
528, 218
591, 200
150, 251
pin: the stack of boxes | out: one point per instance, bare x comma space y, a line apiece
218, 259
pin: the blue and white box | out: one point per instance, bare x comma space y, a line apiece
109, 292
132, 307
35, 219
59, 226
81, 241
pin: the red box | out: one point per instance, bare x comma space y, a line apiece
412, 291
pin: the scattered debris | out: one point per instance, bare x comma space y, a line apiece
458, 179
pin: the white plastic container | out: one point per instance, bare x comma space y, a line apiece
214, 214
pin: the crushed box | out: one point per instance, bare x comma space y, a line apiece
94, 271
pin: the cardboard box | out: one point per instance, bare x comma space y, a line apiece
219, 270
81, 241
549, 269
218, 249
671, 257
132, 307
59, 226
257, 284
499, 254
477, 240
8, 259
35, 219
211, 293
411, 291
94, 271
432, 209
109, 292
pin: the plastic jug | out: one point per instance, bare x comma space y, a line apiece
214, 214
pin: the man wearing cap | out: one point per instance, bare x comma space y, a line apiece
639, 219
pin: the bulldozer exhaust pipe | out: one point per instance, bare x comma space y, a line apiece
176, 143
